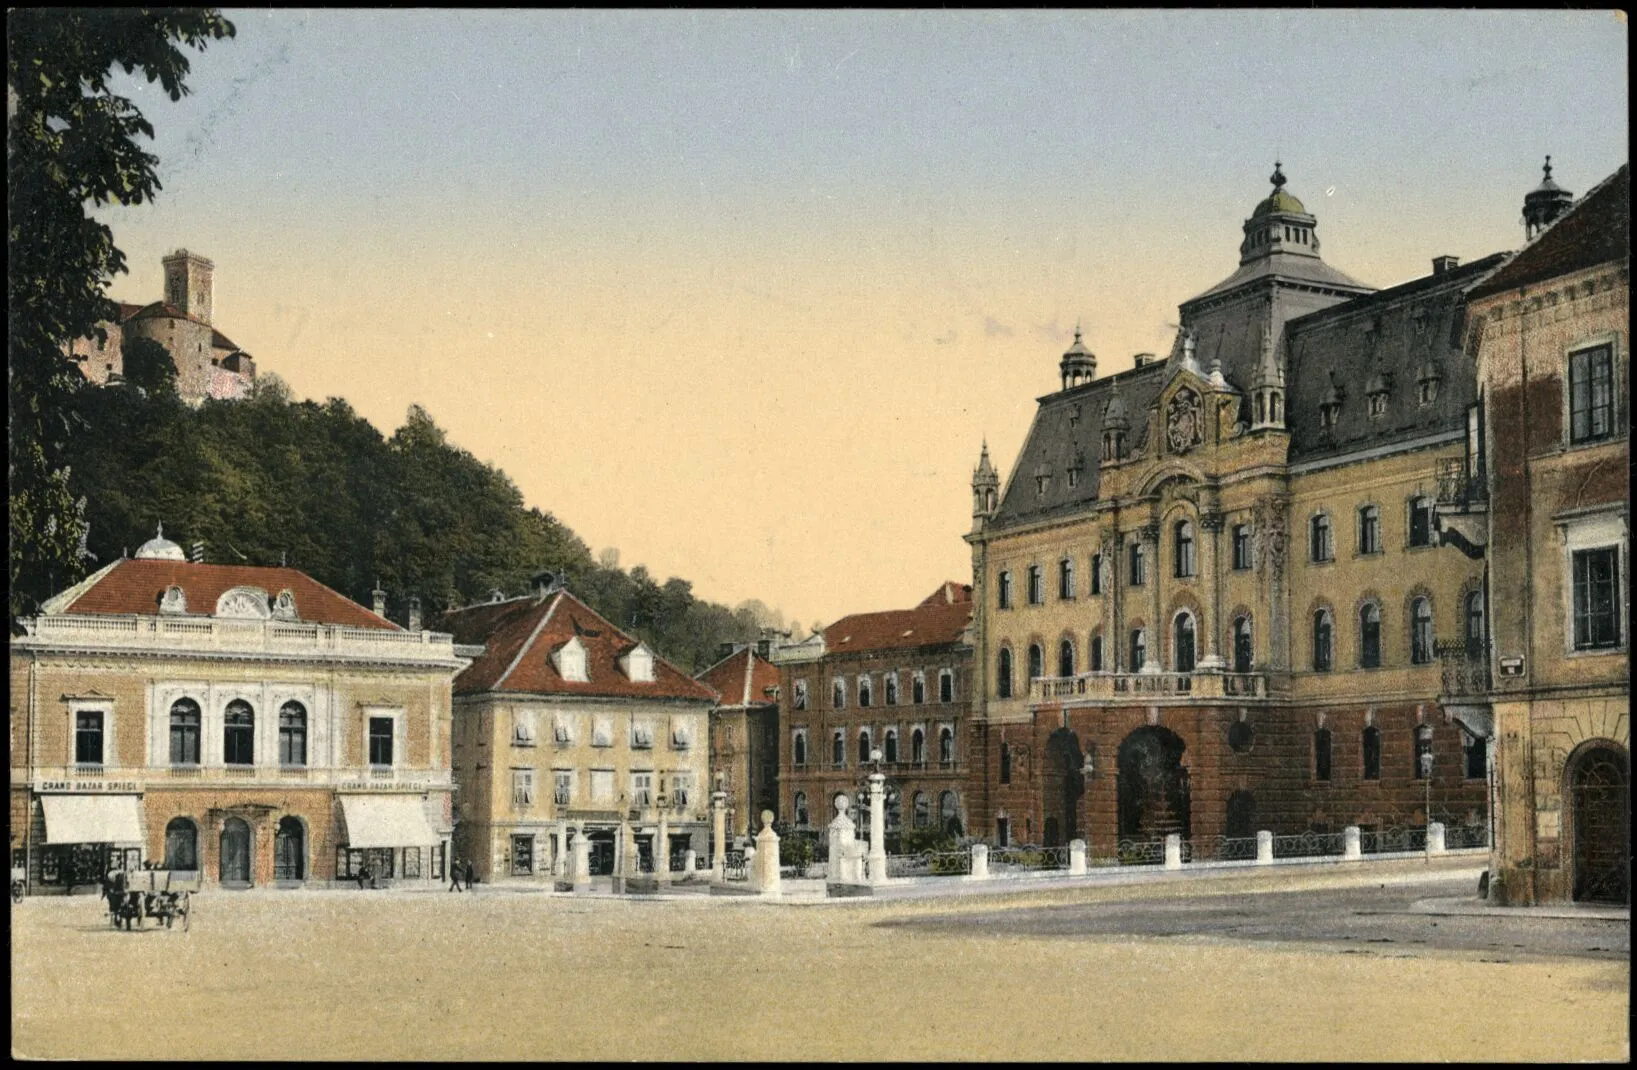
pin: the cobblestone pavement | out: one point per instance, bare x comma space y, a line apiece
1112, 973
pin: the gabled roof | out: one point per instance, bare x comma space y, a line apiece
743, 679
520, 635
135, 586
1596, 230
934, 622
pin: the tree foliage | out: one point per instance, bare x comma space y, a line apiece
71, 143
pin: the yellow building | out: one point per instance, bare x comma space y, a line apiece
566, 727
248, 723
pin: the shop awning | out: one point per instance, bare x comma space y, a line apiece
93, 818
387, 821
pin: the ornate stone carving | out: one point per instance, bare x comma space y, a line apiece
1271, 538
249, 603
284, 607
1149, 533
1211, 521
174, 601
1184, 421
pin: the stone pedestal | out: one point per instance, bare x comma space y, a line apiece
766, 861
1173, 851
1350, 844
1435, 838
1077, 857
843, 835
1264, 847
689, 861
582, 861
662, 850
719, 841
980, 862
878, 828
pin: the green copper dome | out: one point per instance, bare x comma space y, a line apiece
1278, 200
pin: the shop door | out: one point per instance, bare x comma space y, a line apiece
289, 851
1601, 789
235, 860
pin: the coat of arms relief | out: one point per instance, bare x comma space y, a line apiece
1184, 422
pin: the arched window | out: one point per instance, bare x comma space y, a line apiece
801, 807
917, 746
1475, 624
1003, 589
1242, 648
798, 748
1036, 588
1318, 538
292, 734
892, 688
1139, 649
1420, 521
838, 750
1372, 752
1065, 578
289, 850
1241, 547
917, 688
866, 691
1005, 763
184, 732
1420, 632
1182, 635
946, 744
1184, 554
1369, 636
1003, 673
1423, 751
239, 734
1139, 565
1323, 641
864, 745
922, 809
1369, 529
838, 694
1096, 656
181, 844
1065, 657
894, 808
949, 818
1321, 754
889, 745
1037, 662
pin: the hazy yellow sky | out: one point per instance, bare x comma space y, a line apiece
741, 293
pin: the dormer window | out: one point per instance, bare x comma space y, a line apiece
1428, 381
1375, 393
284, 606
1042, 479
570, 661
1378, 405
1329, 412
639, 664
174, 600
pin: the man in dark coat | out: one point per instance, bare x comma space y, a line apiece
471, 876
454, 876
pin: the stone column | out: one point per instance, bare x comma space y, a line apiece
662, 848
767, 857
878, 829
719, 848
1112, 658
1077, 858
1210, 545
1435, 838
980, 862
1155, 654
1350, 844
1173, 851
582, 859
1264, 847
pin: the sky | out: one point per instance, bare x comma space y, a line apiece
741, 293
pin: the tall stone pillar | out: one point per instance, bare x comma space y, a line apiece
662, 847
1110, 549
878, 828
1210, 524
1155, 654
719, 845
558, 852
582, 859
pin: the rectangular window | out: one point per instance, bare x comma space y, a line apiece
642, 735
1037, 594
523, 728
1591, 394
1139, 565
1003, 590
918, 689
1065, 579
946, 686
1096, 573
522, 787
562, 787
1319, 538
1420, 522
522, 856
380, 741
799, 702
1477, 759
1139, 650
1596, 598
1369, 530
1241, 547
890, 684
1096, 653
88, 737
642, 789
681, 789
838, 694
602, 785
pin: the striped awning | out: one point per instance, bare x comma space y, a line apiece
93, 818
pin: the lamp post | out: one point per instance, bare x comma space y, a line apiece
1426, 775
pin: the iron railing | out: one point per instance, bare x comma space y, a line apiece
1465, 670
733, 866
1309, 845
930, 864
1457, 487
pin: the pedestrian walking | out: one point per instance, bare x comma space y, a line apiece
454, 876
471, 875
362, 875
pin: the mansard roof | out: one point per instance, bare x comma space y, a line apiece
519, 636
1287, 267
743, 679
1596, 230
1069, 426
1386, 338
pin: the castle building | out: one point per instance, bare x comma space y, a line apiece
744, 734
1544, 499
889, 692
208, 364
1210, 598
247, 723
561, 693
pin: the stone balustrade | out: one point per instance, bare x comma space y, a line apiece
206, 635
364, 778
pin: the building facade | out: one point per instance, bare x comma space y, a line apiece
1209, 598
744, 735
1545, 501
247, 723
208, 364
567, 727
887, 691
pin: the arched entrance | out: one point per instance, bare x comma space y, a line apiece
1600, 800
1153, 792
234, 865
1241, 815
181, 844
289, 850
1062, 786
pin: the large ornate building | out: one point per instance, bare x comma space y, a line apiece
248, 723
565, 726
1211, 597
208, 364
1545, 498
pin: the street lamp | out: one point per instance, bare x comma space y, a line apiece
1426, 775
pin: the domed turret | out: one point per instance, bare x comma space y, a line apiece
985, 489
1115, 425
1079, 364
160, 548
1279, 224
1544, 203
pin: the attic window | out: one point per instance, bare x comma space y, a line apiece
1074, 477
1378, 405
174, 601
1042, 479
570, 661
1329, 411
639, 664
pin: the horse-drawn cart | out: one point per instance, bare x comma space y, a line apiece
162, 894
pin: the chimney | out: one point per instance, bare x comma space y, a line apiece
414, 614
1142, 359
543, 583
1441, 264
380, 597
725, 650
764, 647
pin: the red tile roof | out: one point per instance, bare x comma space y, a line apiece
135, 585
520, 635
743, 679
941, 618
1595, 230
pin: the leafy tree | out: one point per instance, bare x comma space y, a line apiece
71, 142
148, 366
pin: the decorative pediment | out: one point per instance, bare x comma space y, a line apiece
245, 603
174, 600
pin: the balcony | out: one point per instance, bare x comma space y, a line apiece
1141, 686
1465, 672
270, 638
1461, 513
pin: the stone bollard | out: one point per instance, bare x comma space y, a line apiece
843, 834
1173, 851
1350, 844
980, 862
690, 862
1077, 858
719, 844
767, 857
582, 861
1435, 838
1264, 847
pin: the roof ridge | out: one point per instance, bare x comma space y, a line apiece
529, 642
750, 665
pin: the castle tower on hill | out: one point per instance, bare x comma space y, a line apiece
188, 283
